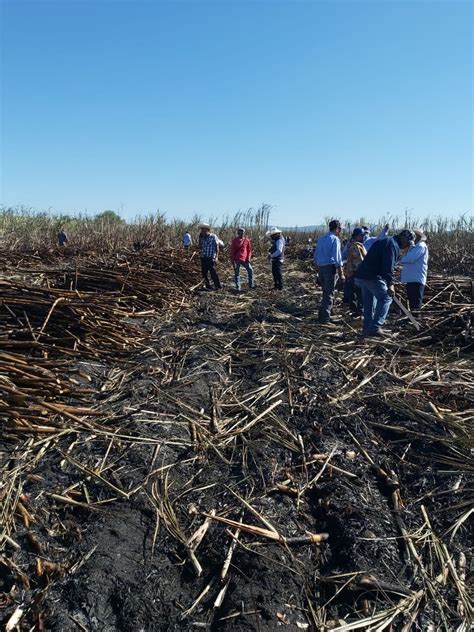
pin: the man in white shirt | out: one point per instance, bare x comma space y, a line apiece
187, 240
275, 255
415, 271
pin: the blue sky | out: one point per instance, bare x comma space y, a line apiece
317, 108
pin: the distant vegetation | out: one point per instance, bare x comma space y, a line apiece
451, 239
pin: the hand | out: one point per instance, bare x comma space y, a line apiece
391, 290
386, 227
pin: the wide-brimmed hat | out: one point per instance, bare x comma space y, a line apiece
204, 226
419, 233
273, 231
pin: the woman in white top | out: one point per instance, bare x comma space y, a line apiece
415, 270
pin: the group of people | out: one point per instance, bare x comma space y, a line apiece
367, 267
240, 253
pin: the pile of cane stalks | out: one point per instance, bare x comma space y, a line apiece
261, 471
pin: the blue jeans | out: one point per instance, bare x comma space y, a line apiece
327, 279
376, 303
248, 267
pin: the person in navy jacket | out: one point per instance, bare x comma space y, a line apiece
375, 278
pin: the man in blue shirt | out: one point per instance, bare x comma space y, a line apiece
62, 238
375, 277
328, 261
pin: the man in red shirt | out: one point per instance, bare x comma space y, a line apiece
240, 255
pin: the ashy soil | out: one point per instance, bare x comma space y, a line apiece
245, 407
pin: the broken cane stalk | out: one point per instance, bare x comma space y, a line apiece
310, 538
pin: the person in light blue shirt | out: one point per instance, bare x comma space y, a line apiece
187, 240
328, 261
415, 271
370, 241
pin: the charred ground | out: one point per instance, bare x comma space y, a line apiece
244, 407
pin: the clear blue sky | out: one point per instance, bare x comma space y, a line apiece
318, 108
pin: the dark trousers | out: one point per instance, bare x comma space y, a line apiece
327, 279
352, 296
277, 271
415, 293
208, 266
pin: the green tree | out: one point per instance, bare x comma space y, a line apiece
109, 217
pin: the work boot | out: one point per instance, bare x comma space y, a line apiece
379, 333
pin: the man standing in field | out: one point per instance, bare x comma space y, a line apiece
328, 261
355, 256
414, 272
375, 278
62, 238
368, 240
240, 255
209, 249
187, 240
275, 255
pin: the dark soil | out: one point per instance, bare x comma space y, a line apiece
166, 439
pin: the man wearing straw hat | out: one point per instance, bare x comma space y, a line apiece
275, 255
240, 255
328, 261
414, 271
209, 248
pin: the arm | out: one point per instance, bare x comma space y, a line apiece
315, 261
345, 251
389, 259
383, 233
358, 254
249, 252
336, 253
